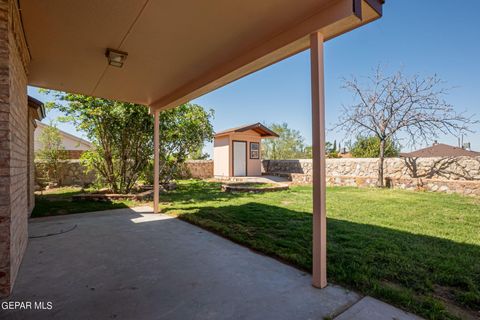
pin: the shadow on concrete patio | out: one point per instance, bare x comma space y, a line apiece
131, 264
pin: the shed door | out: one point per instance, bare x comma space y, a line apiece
239, 158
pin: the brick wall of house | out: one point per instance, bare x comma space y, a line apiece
4, 152
13, 145
31, 164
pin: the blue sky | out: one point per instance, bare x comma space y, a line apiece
425, 37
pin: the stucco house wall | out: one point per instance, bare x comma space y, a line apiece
74, 146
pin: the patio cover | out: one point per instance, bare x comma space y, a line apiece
177, 50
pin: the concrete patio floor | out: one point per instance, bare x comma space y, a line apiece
132, 264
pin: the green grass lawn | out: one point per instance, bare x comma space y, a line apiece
58, 201
417, 250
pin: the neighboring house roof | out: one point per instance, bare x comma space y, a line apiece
38, 107
263, 131
440, 150
70, 142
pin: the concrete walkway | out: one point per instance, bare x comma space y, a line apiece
131, 264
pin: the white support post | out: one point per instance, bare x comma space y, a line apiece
156, 160
319, 268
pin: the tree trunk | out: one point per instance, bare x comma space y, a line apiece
380, 181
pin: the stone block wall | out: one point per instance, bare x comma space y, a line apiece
459, 175
14, 144
75, 173
72, 173
198, 169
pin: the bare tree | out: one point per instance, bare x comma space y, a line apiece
387, 106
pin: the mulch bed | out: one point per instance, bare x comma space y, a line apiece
146, 194
113, 196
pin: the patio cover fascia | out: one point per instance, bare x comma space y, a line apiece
52, 67
336, 18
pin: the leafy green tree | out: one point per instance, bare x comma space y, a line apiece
289, 145
333, 154
183, 132
330, 150
369, 147
307, 151
51, 153
122, 135
120, 132
198, 154
328, 147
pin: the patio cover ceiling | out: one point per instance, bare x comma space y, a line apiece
177, 50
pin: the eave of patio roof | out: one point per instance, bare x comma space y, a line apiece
177, 50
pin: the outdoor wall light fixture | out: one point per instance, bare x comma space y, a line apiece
116, 58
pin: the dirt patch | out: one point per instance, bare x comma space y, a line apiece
445, 294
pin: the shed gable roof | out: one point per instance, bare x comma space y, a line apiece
259, 128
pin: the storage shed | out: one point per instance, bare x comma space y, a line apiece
236, 151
